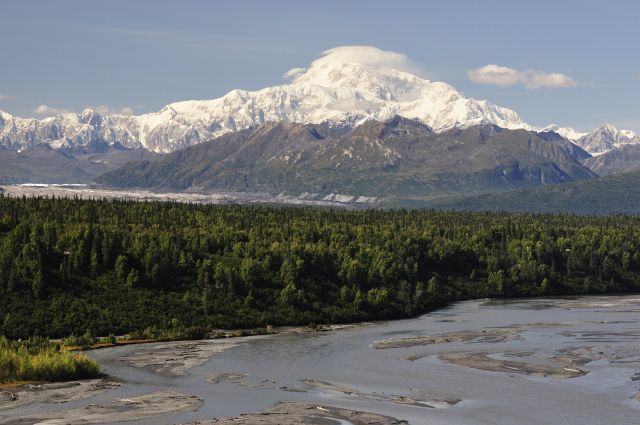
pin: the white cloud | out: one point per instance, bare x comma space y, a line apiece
109, 110
48, 110
503, 76
293, 73
4, 97
372, 58
101, 109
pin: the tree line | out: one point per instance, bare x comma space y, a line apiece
112, 267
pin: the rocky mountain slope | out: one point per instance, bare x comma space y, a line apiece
624, 159
328, 130
398, 158
43, 164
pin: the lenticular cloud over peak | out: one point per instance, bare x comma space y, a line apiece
374, 60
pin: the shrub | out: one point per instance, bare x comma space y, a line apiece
87, 340
37, 359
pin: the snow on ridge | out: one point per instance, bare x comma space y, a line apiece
345, 86
566, 132
606, 138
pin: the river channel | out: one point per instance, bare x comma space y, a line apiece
528, 361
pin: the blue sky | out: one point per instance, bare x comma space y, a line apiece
140, 55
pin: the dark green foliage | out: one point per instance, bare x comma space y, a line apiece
166, 270
174, 332
85, 341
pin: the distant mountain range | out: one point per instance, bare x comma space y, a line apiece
606, 138
395, 159
358, 125
347, 86
43, 164
624, 159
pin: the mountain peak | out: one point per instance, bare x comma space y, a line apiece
566, 132
606, 138
615, 131
345, 87
608, 128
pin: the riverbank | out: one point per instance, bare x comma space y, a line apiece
175, 358
215, 334
166, 358
294, 413
17, 395
145, 406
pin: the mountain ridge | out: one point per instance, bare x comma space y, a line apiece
346, 86
395, 158
606, 138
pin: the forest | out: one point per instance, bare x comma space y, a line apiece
70, 266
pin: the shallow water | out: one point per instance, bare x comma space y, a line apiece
277, 366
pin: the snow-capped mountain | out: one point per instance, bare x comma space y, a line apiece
606, 138
598, 141
346, 86
68, 130
566, 132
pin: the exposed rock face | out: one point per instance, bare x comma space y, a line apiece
396, 158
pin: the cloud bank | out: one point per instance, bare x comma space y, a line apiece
370, 57
503, 76
109, 110
376, 61
48, 110
101, 109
